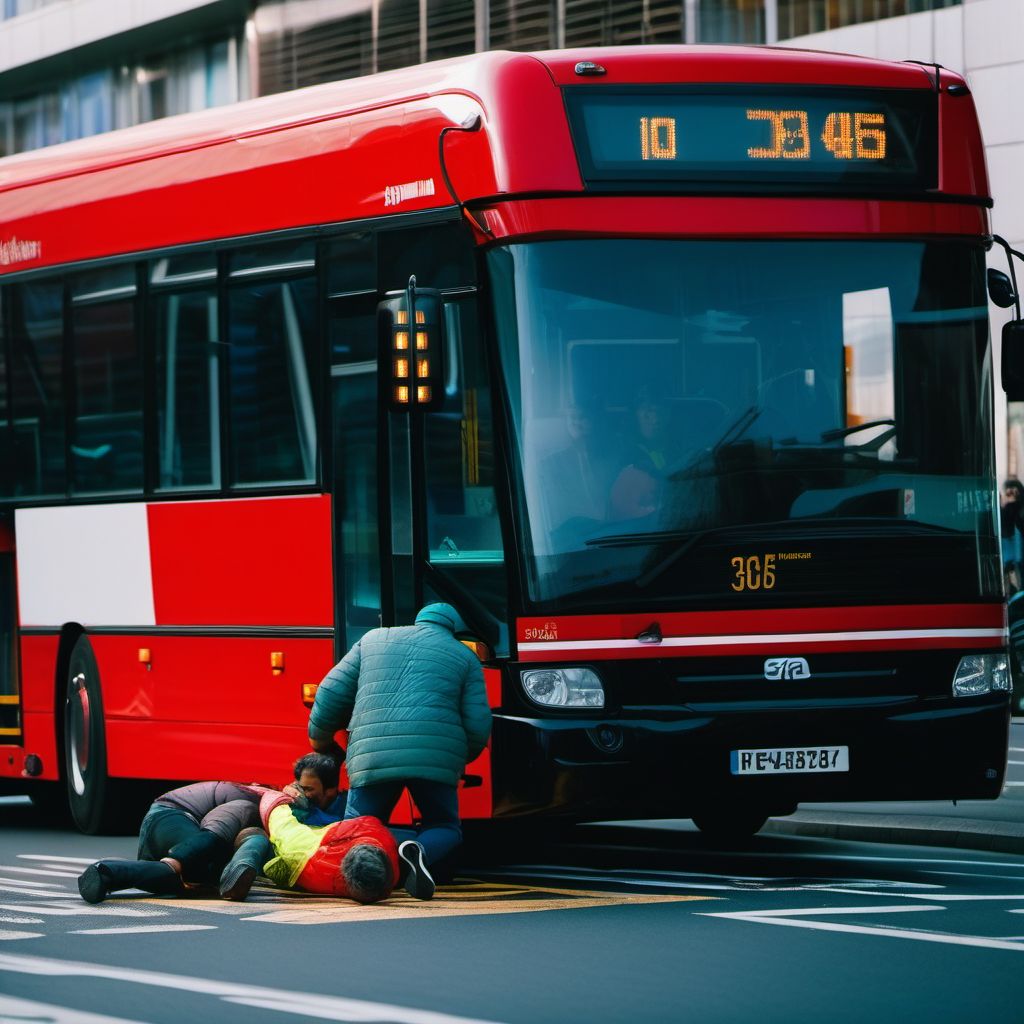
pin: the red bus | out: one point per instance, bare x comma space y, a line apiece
668, 366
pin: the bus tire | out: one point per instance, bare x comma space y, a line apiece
730, 823
91, 796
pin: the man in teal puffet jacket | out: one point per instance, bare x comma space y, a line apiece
414, 703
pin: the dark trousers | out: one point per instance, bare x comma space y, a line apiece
438, 803
171, 832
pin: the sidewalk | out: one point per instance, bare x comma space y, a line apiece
993, 825
910, 824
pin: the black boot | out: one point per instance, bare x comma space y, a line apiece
99, 880
238, 875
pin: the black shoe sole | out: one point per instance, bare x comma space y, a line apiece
91, 885
418, 883
236, 884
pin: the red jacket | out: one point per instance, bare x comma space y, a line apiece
309, 858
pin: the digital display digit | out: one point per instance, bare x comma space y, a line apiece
835, 138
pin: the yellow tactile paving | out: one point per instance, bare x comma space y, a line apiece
463, 898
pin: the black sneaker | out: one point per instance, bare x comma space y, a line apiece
236, 881
240, 872
92, 885
418, 881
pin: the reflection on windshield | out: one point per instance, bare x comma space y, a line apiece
665, 388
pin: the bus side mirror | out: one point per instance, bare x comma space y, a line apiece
1013, 360
1000, 289
411, 347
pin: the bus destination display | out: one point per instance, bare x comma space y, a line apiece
836, 138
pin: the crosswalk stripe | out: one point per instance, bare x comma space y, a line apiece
29, 1010
142, 928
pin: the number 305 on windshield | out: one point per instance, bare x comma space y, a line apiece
753, 572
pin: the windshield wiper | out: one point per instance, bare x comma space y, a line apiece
737, 428
874, 443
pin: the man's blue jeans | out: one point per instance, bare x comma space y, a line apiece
438, 804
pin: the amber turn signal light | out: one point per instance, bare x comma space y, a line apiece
480, 649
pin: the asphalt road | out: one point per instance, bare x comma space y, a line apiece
601, 923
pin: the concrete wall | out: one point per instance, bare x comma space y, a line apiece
73, 24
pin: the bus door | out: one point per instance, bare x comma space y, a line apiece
361, 587
10, 699
354, 447
444, 529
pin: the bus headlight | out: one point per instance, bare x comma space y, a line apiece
563, 687
981, 673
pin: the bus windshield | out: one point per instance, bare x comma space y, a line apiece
748, 421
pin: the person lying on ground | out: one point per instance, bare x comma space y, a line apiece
192, 837
355, 858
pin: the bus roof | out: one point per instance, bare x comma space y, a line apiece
474, 75
273, 163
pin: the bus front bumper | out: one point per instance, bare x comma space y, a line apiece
669, 765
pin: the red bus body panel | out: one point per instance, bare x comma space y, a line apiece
815, 630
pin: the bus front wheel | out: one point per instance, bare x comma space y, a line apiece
90, 795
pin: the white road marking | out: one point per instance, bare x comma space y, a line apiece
82, 908
50, 857
944, 896
59, 894
15, 885
1013, 783
11, 919
139, 929
827, 911
12, 1009
797, 919
38, 871
6, 934
1015, 762
295, 1003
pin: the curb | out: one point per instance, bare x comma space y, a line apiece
962, 833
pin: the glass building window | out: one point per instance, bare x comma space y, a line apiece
731, 21
37, 341
272, 415
194, 78
803, 17
398, 34
522, 25
602, 23
294, 57
451, 28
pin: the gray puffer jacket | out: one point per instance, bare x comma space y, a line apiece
413, 701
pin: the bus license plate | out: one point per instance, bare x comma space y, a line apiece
789, 760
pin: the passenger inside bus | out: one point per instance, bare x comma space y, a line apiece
650, 453
576, 479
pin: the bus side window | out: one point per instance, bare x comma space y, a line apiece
6, 469
463, 528
37, 391
272, 367
106, 439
